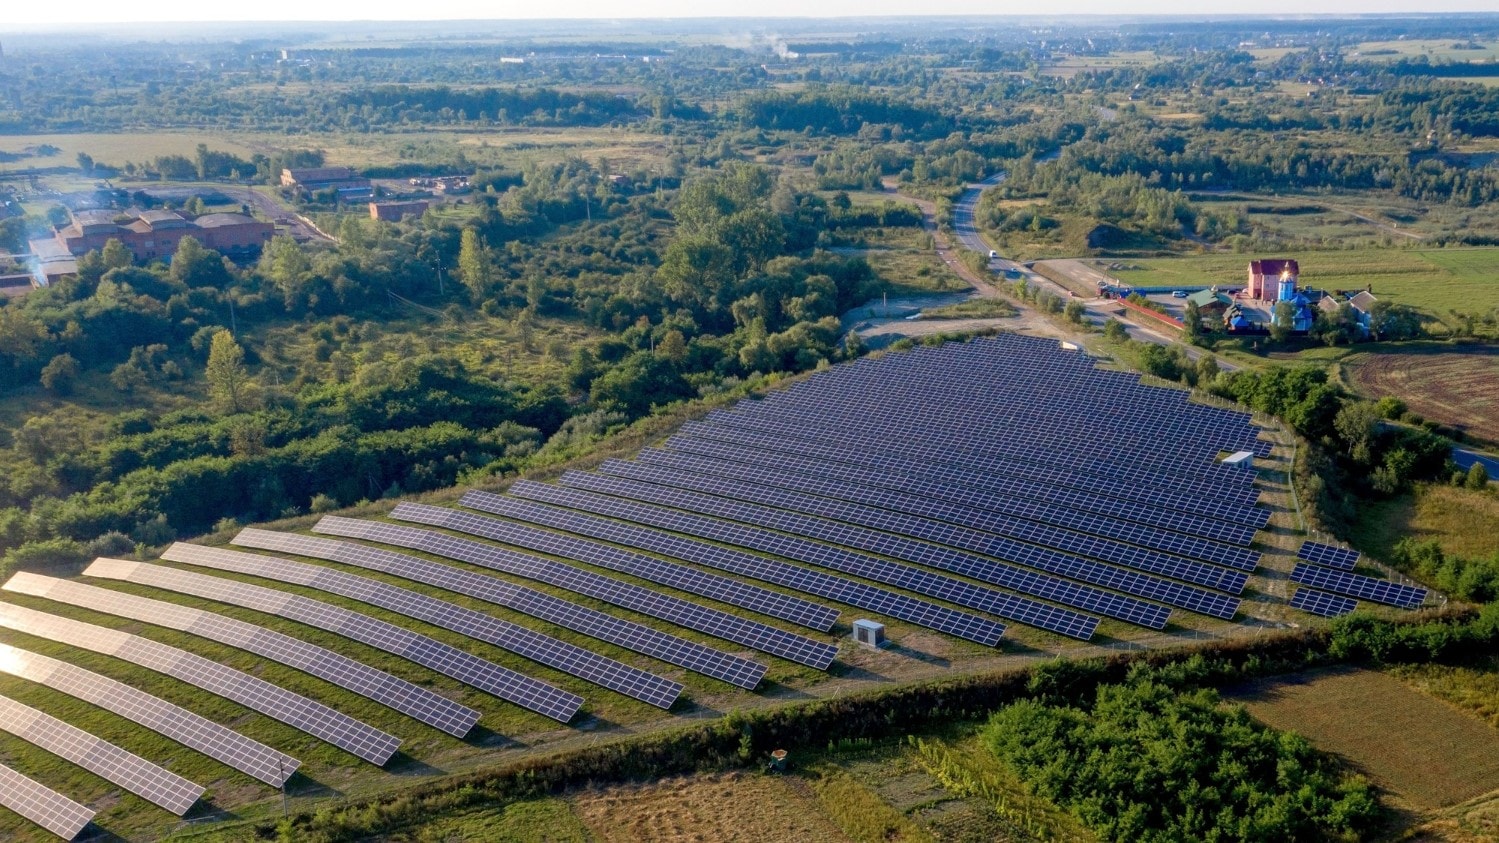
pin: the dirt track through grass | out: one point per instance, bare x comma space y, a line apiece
1418, 747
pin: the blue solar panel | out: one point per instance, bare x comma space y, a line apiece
1322, 603
875, 541
813, 553
527, 600
1073, 537
1141, 585
1356, 585
1326, 554
921, 612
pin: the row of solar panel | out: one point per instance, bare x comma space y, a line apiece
1048, 443
1076, 534
873, 541
988, 544
1146, 525
937, 463
994, 359
1141, 411
1045, 418
1055, 449
1001, 452
1329, 555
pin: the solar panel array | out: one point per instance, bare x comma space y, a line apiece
543, 649
427, 652
99, 757
1322, 603
1161, 529
1357, 585
43, 805
421, 703
312, 717
1083, 540
681, 577
952, 535
1143, 499
227, 746
691, 655
790, 547
1018, 579
989, 367
853, 593
491, 589
1329, 555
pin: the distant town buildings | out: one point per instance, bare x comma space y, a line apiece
155, 234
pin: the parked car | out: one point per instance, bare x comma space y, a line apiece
1179, 294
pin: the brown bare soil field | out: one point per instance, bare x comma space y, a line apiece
706, 809
1458, 387
1424, 751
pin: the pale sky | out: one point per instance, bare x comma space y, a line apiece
26, 13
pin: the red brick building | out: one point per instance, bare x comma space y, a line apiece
1265, 277
155, 234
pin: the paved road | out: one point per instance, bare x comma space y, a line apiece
1465, 459
966, 230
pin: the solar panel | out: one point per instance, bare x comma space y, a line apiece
427, 652
885, 544
312, 717
1191, 535
1074, 538
1357, 585
99, 757
989, 544
895, 605
217, 742
569, 658
494, 590
696, 657
681, 577
42, 805
1322, 603
421, 703
1329, 555
868, 567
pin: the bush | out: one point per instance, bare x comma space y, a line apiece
1478, 477
1390, 407
1151, 760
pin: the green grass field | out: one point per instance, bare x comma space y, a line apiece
489, 146
1433, 280
1441, 49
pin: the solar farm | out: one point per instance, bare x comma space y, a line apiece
985, 502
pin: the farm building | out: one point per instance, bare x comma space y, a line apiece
397, 211
323, 178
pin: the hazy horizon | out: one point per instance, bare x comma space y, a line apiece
96, 14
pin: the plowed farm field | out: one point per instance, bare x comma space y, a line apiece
1456, 386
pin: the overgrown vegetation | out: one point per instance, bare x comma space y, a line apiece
1156, 759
